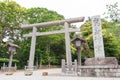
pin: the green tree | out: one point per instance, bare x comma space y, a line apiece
113, 12
46, 46
11, 16
111, 46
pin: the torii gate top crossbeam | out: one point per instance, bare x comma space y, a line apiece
53, 23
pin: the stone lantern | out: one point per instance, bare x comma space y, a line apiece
11, 51
77, 41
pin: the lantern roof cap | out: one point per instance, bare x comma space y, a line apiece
12, 45
78, 38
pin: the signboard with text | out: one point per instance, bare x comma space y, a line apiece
97, 37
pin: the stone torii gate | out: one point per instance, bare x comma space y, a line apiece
66, 30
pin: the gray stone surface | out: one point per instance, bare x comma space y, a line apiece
101, 71
101, 61
101, 67
97, 37
53, 74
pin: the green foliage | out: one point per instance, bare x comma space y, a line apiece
113, 12
86, 29
111, 38
37, 15
11, 16
49, 48
7, 60
43, 51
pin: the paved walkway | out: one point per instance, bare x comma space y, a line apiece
53, 74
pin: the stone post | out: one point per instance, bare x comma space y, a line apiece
63, 65
10, 61
67, 42
79, 56
32, 48
97, 37
75, 66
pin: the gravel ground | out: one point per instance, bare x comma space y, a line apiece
53, 74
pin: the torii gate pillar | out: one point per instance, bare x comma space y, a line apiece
48, 24
67, 44
32, 48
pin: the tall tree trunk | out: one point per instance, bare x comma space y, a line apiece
48, 54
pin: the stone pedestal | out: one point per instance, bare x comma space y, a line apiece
69, 69
101, 67
101, 61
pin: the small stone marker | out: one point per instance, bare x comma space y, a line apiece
45, 74
9, 73
28, 72
97, 37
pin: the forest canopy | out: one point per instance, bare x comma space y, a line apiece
51, 48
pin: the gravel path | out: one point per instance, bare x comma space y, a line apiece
53, 74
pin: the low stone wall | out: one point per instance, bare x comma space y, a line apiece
47, 66
101, 61
99, 71
5, 69
69, 69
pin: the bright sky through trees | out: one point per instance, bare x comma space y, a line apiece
71, 8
